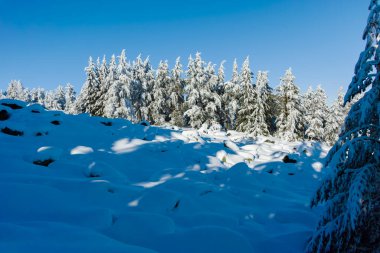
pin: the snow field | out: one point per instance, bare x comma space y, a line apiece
119, 187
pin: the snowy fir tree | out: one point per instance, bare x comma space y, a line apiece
70, 97
15, 90
261, 114
90, 92
350, 193
335, 120
317, 112
159, 106
141, 88
104, 86
59, 99
49, 102
290, 121
118, 103
195, 87
230, 99
175, 91
211, 97
247, 102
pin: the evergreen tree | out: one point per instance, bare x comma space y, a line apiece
211, 96
351, 221
59, 100
194, 104
175, 91
230, 99
37, 96
141, 88
202, 104
307, 106
290, 120
317, 115
118, 100
247, 103
261, 113
90, 91
159, 107
15, 90
104, 86
49, 102
70, 96
335, 120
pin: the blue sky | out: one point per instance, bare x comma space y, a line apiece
47, 42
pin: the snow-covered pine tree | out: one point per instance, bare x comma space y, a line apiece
141, 88
59, 100
351, 221
210, 94
307, 105
15, 90
90, 91
230, 99
335, 120
317, 115
103, 86
219, 90
193, 103
26, 95
37, 95
221, 79
261, 113
159, 107
290, 121
247, 102
175, 91
70, 97
49, 102
118, 97
201, 103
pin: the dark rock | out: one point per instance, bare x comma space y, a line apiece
55, 122
12, 106
94, 175
269, 141
44, 163
144, 123
9, 131
106, 123
176, 204
41, 134
287, 159
4, 115
35, 111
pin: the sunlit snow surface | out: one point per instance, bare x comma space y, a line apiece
132, 188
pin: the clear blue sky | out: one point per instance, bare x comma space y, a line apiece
47, 42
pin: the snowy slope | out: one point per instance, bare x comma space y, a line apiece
116, 187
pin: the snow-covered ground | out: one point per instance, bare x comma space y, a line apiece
111, 186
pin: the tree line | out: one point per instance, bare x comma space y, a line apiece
199, 96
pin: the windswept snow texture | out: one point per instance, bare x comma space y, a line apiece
133, 188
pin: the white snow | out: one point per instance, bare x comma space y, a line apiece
131, 188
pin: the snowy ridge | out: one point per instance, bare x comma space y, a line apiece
90, 184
